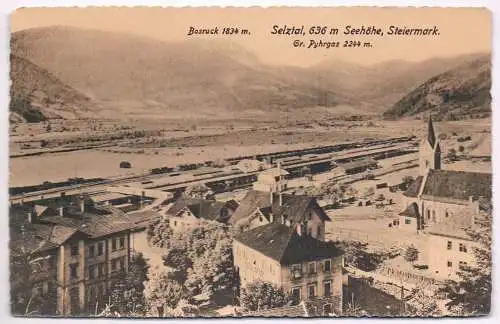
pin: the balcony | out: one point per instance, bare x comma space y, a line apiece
296, 274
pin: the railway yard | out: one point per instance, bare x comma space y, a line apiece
309, 161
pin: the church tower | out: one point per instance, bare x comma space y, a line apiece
430, 151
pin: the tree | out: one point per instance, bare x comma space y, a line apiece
163, 294
127, 294
356, 255
200, 191
411, 254
26, 295
262, 295
471, 293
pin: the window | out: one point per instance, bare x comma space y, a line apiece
318, 231
100, 248
122, 242
114, 264
73, 270
327, 288
309, 231
327, 309
101, 270
462, 265
91, 250
328, 266
462, 248
296, 271
296, 293
446, 214
433, 215
428, 214
113, 244
407, 220
310, 216
450, 264
312, 267
74, 249
92, 273
311, 291
122, 264
450, 245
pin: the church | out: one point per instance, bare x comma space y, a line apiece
437, 195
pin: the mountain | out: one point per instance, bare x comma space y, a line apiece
128, 74
379, 86
461, 92
37, 95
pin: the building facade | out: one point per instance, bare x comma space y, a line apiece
77, 254
286, 256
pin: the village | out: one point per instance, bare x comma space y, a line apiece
372, 228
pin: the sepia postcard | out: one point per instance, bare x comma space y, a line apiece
250, 162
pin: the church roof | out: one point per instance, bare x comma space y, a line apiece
285, 245
414, 188
458, 185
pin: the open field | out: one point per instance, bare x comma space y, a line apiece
150, 144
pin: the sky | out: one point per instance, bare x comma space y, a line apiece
461, 30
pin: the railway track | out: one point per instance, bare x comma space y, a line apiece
141, 178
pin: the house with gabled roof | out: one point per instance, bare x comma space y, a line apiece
258, 208
289, 258
189, 212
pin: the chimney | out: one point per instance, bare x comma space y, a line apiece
281, 199
61, 211
271, 196
30, 217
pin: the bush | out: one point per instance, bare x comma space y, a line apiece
262, 295
411, 254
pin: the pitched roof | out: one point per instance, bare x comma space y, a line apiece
97, 223
275, 172
414, 188
200, 208
410, 211
458, 185
142, 218
293, 206
283, 244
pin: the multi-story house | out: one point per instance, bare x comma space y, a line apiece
259, 208
78, 252
288, 257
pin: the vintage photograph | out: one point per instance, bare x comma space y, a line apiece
250, 162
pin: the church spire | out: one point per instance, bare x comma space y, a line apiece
431, 137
